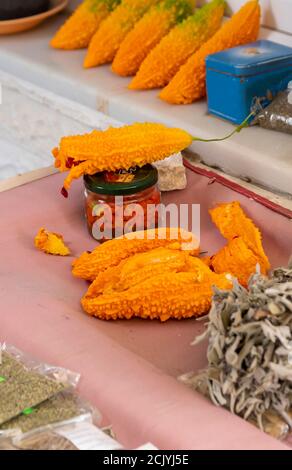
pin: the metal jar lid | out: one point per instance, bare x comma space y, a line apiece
122, 182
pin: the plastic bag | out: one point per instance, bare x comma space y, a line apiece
59, 374
25, 383
6, 439
278, 115
76, 434
62, 407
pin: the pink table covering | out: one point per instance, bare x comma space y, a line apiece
128, 367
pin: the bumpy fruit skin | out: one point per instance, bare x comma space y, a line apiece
155, 278
244, 250
148, 32
117, 148
237, 259
111, 253
181, 287
51, 243
139, 267
177, 46
232, 222
113, 30
189, 84
78, 30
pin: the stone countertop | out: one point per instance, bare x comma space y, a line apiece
261, 156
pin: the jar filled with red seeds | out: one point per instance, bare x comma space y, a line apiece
121, 202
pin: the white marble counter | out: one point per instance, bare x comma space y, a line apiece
261, 156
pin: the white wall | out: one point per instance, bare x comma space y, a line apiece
276, 14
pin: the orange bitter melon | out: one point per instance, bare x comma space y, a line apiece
148, 32
177, 46
108, 255
173, 288
117, 148
113, 30
245, 249
78, 30
189, 84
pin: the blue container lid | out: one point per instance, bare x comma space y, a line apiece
256, 57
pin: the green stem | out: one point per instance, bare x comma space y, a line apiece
237, 129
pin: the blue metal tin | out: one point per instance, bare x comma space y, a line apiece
237, 77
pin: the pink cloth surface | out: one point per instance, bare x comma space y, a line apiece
128, 368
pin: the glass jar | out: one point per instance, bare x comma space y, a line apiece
121, 202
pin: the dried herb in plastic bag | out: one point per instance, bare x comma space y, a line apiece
61, 407
21, 388
278, 115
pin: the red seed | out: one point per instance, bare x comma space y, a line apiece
64, 192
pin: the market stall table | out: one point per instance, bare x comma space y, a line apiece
128, 368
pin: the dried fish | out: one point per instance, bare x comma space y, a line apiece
250, 351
